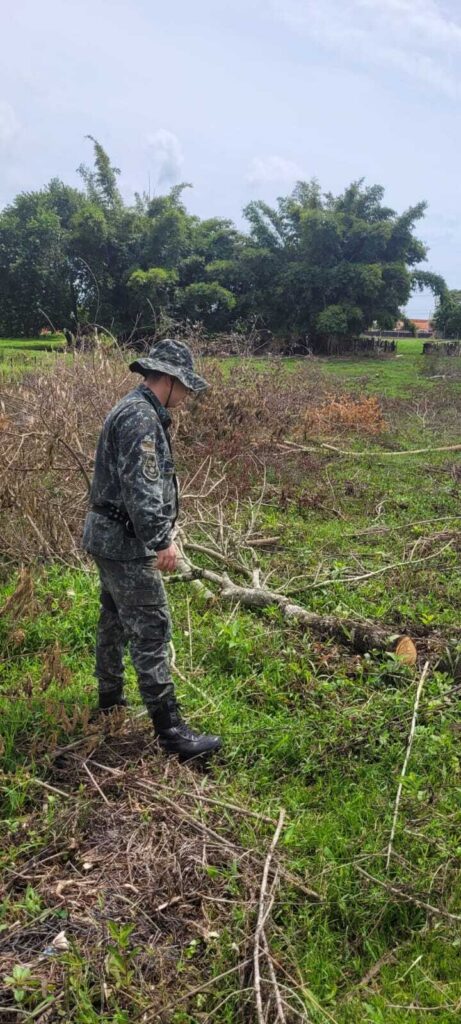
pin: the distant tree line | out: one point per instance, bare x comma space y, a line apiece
315, 269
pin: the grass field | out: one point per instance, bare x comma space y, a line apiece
20, 354
44, 344
308, 725
409, 371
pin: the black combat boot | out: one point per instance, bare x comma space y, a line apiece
176, 737
110, 701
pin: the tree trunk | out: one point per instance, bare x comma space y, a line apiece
360, 636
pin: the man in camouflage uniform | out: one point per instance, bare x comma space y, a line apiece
128, 531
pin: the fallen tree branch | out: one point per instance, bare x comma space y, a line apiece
367, 454
360, 635
406, 760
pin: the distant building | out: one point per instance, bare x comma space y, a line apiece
424, 328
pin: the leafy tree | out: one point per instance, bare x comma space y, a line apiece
447, 316
336, 263
315, 269
167, 232
208, 303
34, 281
155, 289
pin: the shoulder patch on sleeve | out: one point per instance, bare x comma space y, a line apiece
148, 445
150, 466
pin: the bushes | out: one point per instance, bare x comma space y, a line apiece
51, 423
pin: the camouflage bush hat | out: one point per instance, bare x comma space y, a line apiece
172, 357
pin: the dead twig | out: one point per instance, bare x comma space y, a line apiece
218, 556
95, 783
196, 795
262, 912
408, 897
378, 572
278, 998
378, 529
46, 785
406, 760
151, 1018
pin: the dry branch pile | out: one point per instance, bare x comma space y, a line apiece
50, 423
363, 415
139, 842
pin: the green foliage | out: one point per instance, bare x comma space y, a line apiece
337, 262
33, 268
339, 321
447, 316
317, 268
26, 988
209, 303
101, 184
155, 285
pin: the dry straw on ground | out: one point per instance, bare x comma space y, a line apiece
140, 841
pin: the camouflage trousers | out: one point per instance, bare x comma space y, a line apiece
134, 612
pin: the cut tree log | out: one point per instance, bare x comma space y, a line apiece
361, 636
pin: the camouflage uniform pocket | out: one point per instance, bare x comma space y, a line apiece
147, 622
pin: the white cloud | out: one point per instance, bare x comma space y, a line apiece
425, 18
9, 124
273, 169
416, 37
166, 156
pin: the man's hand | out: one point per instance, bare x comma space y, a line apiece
167, 560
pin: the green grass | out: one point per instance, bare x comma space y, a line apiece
45, 344
408, 372
19, 355
391, 376
307, 725
322, 739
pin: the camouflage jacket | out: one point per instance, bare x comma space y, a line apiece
134, 474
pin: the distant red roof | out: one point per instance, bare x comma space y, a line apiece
421, 325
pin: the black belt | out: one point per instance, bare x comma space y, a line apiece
116, 515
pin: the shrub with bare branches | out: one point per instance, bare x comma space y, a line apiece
50, 423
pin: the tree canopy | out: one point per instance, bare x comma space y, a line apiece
313, 268
447, 317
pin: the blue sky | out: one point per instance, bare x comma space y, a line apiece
241, 98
